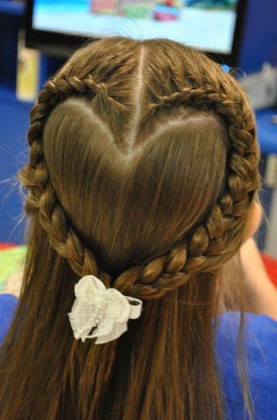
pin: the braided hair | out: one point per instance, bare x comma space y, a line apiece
206, 246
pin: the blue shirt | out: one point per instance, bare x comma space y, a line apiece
260, 341
8, 304
261, 356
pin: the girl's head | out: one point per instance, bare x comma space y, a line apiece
142, 172
143, 164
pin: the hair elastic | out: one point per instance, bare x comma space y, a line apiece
225, 68
105, 311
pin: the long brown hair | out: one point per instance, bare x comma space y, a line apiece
143, 167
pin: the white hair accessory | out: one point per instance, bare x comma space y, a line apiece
106, 311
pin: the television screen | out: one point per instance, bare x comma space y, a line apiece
208, 25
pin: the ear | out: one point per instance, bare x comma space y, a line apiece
254, 219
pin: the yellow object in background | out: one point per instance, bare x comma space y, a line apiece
11, 265
28, 67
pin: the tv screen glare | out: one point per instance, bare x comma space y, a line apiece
208, 25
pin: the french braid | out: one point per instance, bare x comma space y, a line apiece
35, 177
206, 248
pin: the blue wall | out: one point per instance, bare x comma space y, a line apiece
260, 35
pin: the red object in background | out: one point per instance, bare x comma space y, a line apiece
164, 16
6, 246
271, 267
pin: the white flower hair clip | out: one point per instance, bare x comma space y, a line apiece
103, 311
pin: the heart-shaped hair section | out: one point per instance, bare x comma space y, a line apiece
131, 201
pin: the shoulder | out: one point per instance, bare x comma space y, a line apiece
260, 340
8, 304
260, 327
